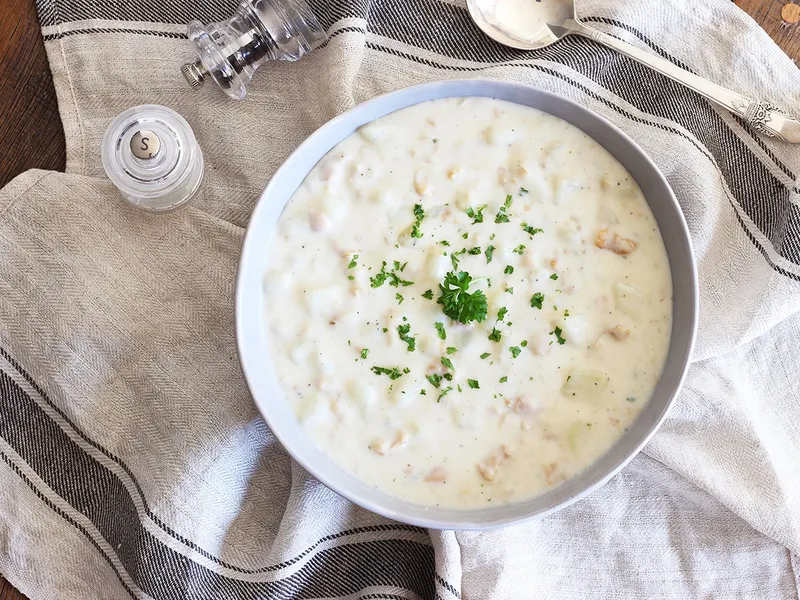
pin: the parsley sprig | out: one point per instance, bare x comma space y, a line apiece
457, 302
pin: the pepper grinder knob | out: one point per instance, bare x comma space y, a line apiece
259, 31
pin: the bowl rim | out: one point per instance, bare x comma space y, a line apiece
249, 361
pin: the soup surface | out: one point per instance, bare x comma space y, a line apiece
469, 301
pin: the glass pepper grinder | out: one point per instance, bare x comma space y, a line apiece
259, 31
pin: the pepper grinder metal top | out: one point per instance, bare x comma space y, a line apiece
259, 31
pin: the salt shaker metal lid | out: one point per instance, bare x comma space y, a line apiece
150, 154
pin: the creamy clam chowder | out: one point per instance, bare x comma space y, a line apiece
468, 302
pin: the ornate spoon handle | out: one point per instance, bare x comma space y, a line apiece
761, 116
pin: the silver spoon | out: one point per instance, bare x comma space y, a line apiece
534, 24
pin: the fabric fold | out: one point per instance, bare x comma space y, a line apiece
134, 461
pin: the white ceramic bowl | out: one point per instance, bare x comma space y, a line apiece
254, 344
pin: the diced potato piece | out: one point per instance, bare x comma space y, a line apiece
607, 216
579, 436
373, 132
360, 394
563, 189
570, 236
500, 135
319, 222
436, 263
576, 329
628, 299
466, 416
323, 300
585, 383
312, 407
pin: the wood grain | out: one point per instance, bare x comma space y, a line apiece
767, 13
31, 129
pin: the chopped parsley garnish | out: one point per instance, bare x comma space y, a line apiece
459, 387
458, 303
447, 363
491, 237
464, 235
510, 290
440, 330
395, 281
554, 277
454, 257
522, 191
428, 294
476, 215
392, 277
451, 350
557, 331
536, 300
350, 277
434, 379
519, 249
402, 332
501, 313
495, 335
488, 253
353, 264
523, 343
399, 267
423, 393
566, 313
501, 216
485, 355
393, 373
515, 350
444, 243
443, 393
532, 231
503, 379
365, 353
419, 214
473, 383
508, 270
385, 329
380, 278
399, 298
474, 251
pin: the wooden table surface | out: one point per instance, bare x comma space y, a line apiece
30, 114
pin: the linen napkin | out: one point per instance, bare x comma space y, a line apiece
134, 463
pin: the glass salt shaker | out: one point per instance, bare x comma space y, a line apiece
150, 154
259, 31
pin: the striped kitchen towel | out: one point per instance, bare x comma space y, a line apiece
134, 463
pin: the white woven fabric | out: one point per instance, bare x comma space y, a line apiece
134, 462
